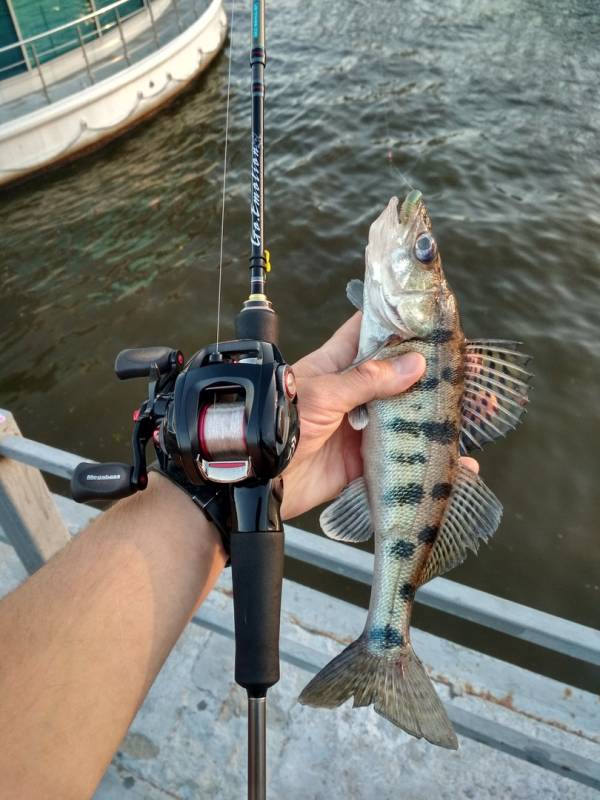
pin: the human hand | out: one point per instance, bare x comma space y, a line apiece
328, 455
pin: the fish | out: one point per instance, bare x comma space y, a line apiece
424, 507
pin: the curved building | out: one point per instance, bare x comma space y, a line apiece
76, 73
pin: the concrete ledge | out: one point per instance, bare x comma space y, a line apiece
539, 737
188, 739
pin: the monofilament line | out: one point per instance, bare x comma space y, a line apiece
225, 172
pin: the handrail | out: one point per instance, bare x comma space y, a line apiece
87, 36
50, 71
66, 26
520, 621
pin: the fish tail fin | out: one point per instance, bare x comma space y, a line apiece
397, 685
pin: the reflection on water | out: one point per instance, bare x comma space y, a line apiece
489, 108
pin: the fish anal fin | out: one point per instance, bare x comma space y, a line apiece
472, 516
496, 386
348, 518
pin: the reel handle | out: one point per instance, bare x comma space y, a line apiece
137, 362
92, 481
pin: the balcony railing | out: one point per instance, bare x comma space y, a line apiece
92, 47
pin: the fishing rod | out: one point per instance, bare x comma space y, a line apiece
224, 426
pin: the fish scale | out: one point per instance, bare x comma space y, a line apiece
425, 509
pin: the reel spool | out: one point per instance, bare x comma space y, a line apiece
223, 455
222, 430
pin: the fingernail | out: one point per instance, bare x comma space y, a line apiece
409, 364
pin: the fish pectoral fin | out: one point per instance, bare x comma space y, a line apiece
348, 518
373, 353
355, 293
359, 418
472, 516
495, 391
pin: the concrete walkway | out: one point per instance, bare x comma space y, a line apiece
188, 740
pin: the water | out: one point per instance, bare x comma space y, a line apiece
490, 108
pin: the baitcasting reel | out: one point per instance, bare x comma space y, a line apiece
229, 416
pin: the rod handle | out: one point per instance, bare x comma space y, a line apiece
257, 574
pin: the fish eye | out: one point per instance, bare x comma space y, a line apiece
425, 248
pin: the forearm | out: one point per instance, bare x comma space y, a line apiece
84, 638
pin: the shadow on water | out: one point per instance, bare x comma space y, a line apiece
489, 108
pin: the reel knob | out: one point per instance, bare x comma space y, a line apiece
92, 481
137, 362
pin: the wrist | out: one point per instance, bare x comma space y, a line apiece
192, 529
212, 500
163, 529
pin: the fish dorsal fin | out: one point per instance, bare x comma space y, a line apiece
495, 391
348, 518
355, 293
472, 516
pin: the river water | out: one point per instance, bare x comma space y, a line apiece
490, 107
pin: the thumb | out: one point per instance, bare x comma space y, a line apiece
376, 380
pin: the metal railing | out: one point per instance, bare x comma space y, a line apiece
97, 44
528, 624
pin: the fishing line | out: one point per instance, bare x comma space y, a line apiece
390, 153
220, 282
390, 156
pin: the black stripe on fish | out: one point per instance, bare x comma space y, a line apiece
402, 549
407, 591
412, 458
401, 425
428, 384
405, 494
387, 636
441, 491
441, 432
439, 336
452, 376
428, 534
